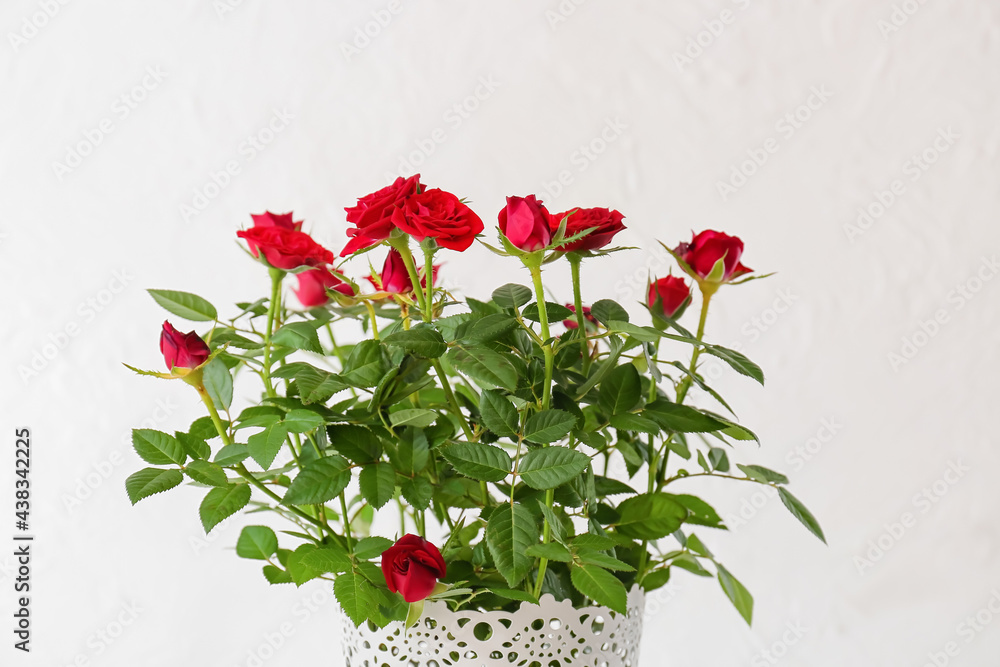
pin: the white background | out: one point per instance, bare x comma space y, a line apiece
877, 433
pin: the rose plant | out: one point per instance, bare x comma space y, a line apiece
460, 450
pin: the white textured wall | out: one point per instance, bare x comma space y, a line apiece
549, 80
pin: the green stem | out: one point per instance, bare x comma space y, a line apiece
543, 321
272, 308
371, 314
546, 537
452, 401
682, 390
402, 245
429, 279
574, 264
248, 476
347, 522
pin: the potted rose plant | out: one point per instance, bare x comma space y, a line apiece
516, 462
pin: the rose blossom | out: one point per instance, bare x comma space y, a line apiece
603, 222
285, 248
525, 223
182, 350
412, 567
671, 292
439, 215
314, 283
707, 248
372, 215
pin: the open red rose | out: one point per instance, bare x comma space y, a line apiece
372, 215
670, 293
707, 248
605, 224
314, 283
439, 215
412, 567
572, 324
286, 248
182, 350
396, 279
268, 219
525, 223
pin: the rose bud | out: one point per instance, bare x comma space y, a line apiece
603, 223
668, 296
396, 279
572, 324
268, 219
286, 249
707, 248
372, 215
525, 223
313, 285
182, 350
441, 216
412, 567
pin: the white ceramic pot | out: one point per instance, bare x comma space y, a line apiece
549, 634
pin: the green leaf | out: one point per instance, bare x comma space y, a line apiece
256, 543
700, 513
655, 579
605, 561
205, 472
490, 328
275, 575
643, 334
762, 474
548, 426
298, 336
412, 452
221, 503
300, 570
264, 446
150, 481
555, 312
319, 481
510, 531
418, 492
422, 340
184, 304
218, 383
650, 516
232, 454
378, 483
681, 418
552, 551
366, 365
620, 390
511, 296
719, 459
498, 414
355, 442
600, 586
357, 597
737, 594
485, 365
634, 423
259, 415
593, 542
315, 385
512, 594
369, 547
478, 461
419, 417
157, 447
737, 361
606, 310
550, 467
330, 557
800, 512
194, 447
302, 421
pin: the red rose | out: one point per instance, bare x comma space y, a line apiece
396, 279
707, 248
314, 283
412, 567
571, 324
605, 224
372, 216
285, 248
182, 350
671, 293
268, 219
525, 223
439, 215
